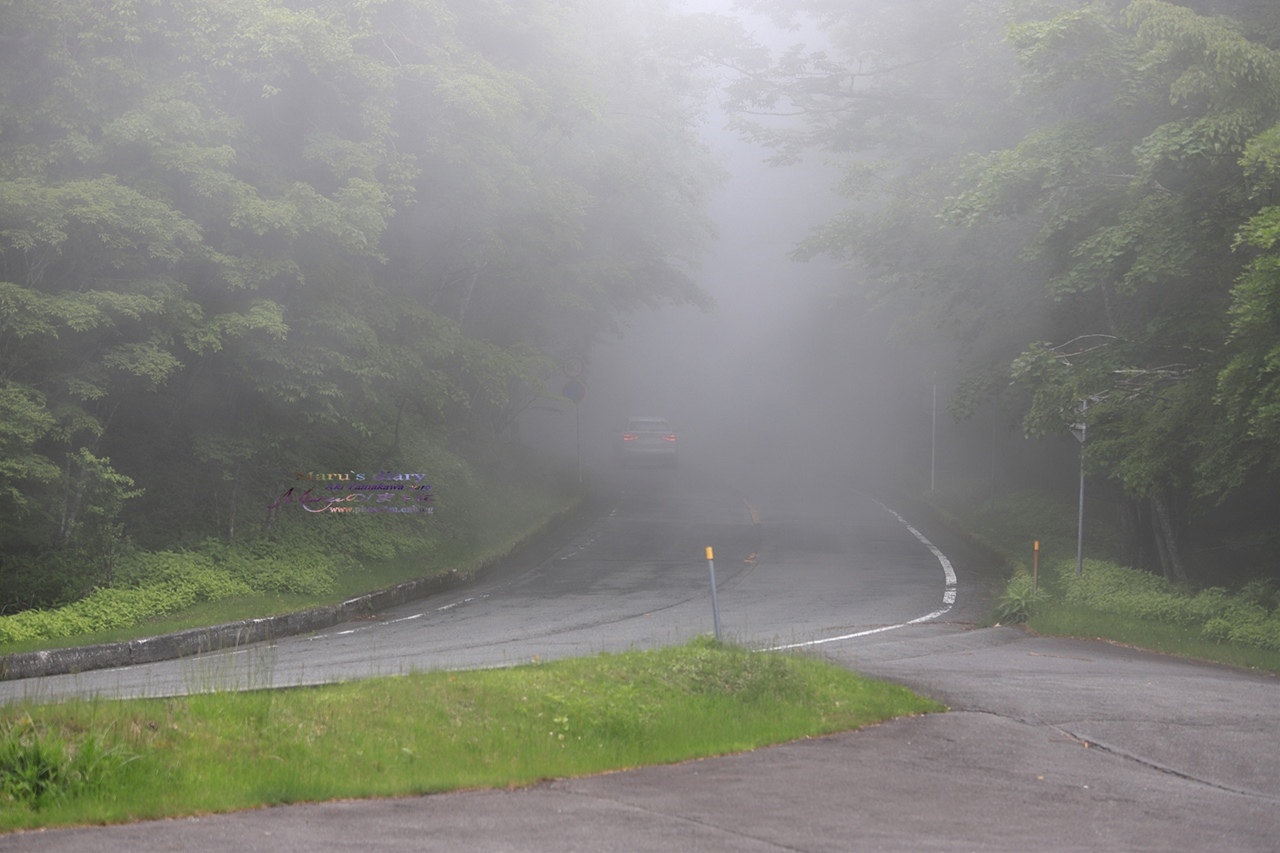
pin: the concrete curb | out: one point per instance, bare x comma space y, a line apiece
232, 634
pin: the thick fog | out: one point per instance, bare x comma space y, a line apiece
274, 239
763, 378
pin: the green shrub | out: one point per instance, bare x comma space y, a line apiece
1262, 593
303, 559
1248, 617
1111, 588
268, 567
105, 609
1018, 600
1245, 627
1211, 603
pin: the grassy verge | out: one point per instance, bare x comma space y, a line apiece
1110, 601
1065, 620
112, 761
315, 562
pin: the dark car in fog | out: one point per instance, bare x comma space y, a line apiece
648, 440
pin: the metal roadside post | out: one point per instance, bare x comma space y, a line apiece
715, 605
1035, 569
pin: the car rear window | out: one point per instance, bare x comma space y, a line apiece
648, 424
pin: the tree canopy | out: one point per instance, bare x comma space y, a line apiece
239, 238
1081, 196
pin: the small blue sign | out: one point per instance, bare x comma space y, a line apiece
575, 390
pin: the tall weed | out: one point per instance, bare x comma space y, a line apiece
1017, 603
39, 767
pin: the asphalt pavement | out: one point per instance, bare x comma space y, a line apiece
1051, 745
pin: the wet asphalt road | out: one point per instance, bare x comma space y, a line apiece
1051, 745
792, 566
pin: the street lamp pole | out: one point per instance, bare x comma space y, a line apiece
1078, 430
1080, 518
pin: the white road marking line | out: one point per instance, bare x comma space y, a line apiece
946, 564
382, 624
948, 595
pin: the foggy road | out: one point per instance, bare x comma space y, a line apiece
1054, 745
437, 234
795, 566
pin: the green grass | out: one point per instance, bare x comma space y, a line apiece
1110, 602
422, 733
1064, 620
1141, 609
523, 513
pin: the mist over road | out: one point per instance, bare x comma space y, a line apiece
1052, 745
799, 559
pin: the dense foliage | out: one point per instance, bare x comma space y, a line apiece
244, 239
1083, 198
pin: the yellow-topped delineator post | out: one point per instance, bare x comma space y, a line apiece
715, 605
1035, 568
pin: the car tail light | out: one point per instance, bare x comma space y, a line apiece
626, 436
671, 437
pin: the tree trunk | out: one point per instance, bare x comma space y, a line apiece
1132, 538
71, 499
1162, 553
1167, 540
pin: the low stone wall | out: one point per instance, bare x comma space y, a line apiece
232, 634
